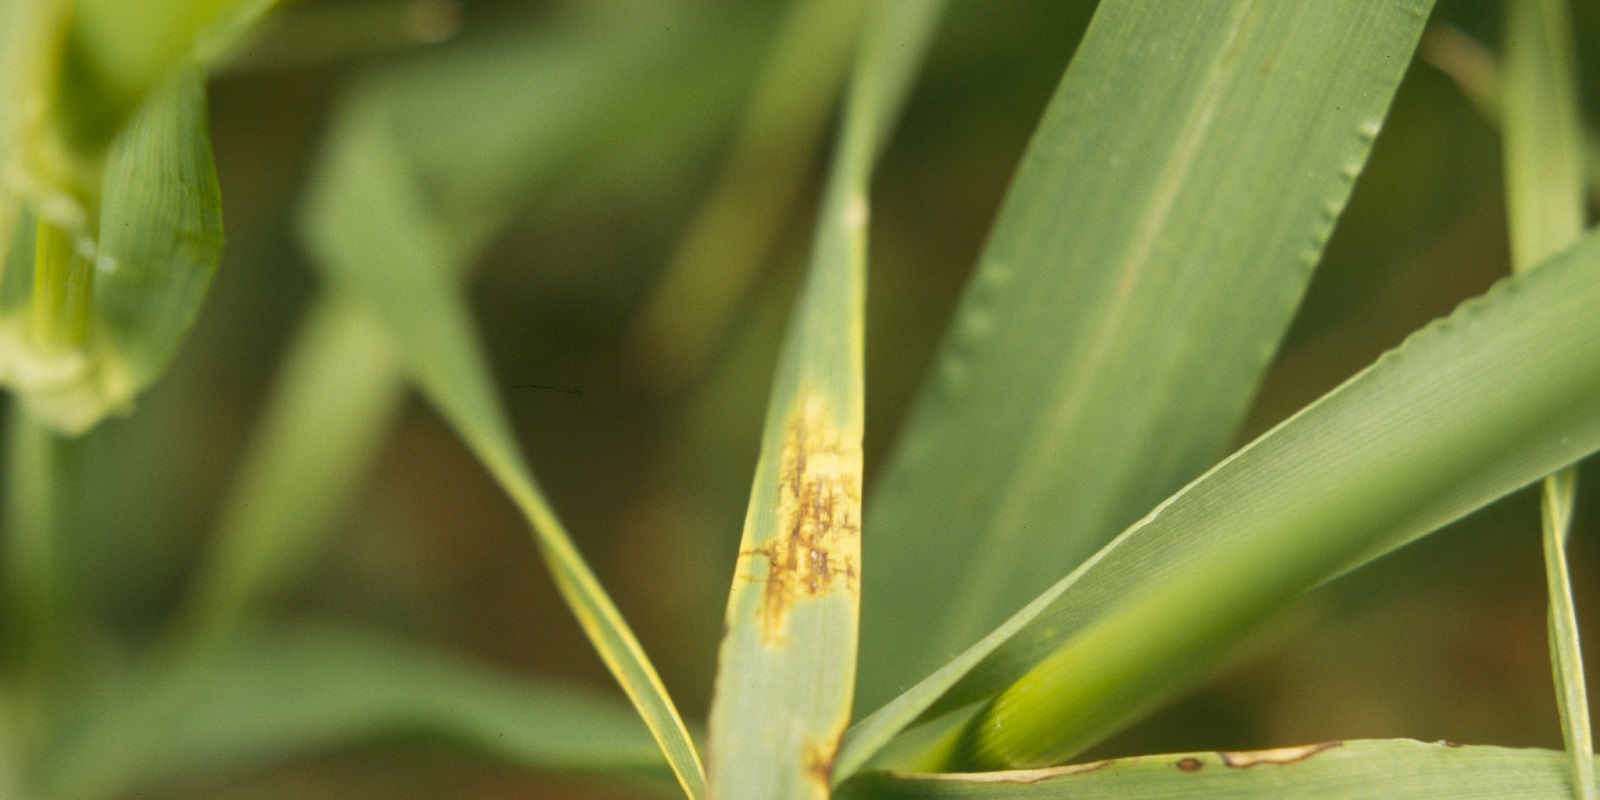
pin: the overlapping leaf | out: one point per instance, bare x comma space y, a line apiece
1152, 249
1470, 408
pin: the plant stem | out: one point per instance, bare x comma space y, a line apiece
32, 617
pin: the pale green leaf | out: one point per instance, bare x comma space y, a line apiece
118, 50
786, 669
337, 397
1147, 260
733, 233
1394, 769
1468, 409
1566, 655
341, 384
369, 229
305, 35
623, 93
1543, 133
228, 28
269, 698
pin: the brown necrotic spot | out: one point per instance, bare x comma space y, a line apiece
815, 548
1190, 764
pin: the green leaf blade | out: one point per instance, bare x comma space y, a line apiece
265, 698
1467, 410
338, 396
1353, 770
371, 231
1544, 164
720, 255
160, 236
1544, 168
786, 668
1153, 247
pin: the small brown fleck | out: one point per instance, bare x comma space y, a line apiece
1281, 755
816, 547
1448, 743
1190, 764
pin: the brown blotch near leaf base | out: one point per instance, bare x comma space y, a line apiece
816, 547
1190, 764
1281, 755
819, 758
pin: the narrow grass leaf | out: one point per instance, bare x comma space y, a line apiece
264, 699
217, 40
1543, 134
1468, 64
342, 383
1151, 251
119, 50
1397, 769
1476, 73
1566, 655
733, 233
786, 669
368, 227
1467, 410
336, 399
621, 94
1543, 130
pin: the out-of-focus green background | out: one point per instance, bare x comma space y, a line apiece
1445, 639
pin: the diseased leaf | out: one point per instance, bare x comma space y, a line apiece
786, 669
1395, 769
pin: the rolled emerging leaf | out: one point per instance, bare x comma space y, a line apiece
108, 304
109, 191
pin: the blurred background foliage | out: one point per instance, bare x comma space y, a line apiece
650, 467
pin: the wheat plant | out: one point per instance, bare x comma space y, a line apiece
1076, 521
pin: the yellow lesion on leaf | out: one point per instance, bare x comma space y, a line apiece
815, 548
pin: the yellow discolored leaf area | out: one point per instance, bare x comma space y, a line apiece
816, 548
